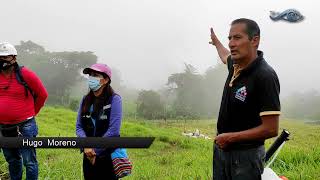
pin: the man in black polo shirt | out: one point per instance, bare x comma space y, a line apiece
250, 106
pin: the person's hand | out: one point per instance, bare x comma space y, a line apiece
92, 160
223, 140
89, 152
91, 155
214, 38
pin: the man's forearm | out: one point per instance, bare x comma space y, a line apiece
268, 129
257, 133
222, 51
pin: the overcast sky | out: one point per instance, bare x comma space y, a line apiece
147, 40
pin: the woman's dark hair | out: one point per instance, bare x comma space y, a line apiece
97, 102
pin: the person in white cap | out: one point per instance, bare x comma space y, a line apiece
22, 95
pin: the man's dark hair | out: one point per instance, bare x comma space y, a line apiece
252, 27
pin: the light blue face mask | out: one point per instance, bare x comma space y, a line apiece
94, 83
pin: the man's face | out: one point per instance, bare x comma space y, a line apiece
6, 62
240, 45
6, 58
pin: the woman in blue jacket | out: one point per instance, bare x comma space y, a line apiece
99, 115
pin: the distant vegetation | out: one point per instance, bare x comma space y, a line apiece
186, 95
59, 71
304, 106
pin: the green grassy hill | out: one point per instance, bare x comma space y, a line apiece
172, 156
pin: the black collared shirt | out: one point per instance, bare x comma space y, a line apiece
248, 94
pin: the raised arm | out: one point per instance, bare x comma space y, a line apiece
222, 51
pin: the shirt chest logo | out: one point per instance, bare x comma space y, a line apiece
241, 94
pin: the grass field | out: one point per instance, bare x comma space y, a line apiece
172, 156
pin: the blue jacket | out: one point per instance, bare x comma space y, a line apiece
114, 121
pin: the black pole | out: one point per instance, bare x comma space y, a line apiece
277, 143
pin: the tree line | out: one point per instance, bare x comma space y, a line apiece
190, 95
186, 95
59, 71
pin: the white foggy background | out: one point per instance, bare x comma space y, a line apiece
147, 40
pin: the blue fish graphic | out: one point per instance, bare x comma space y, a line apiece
290, 15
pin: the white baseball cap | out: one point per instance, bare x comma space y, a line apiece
7, 49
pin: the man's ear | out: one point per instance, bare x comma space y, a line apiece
255, 41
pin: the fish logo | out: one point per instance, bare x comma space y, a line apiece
290, 15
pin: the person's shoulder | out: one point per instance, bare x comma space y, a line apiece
26, 71
82, 99
116, 97
266, 71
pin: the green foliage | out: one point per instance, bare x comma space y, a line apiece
129, 109
196, 95
74, 104
214, 80
149, 105
189, 92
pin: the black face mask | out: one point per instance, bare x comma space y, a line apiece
4, 65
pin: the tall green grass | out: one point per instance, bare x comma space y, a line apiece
171, 156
